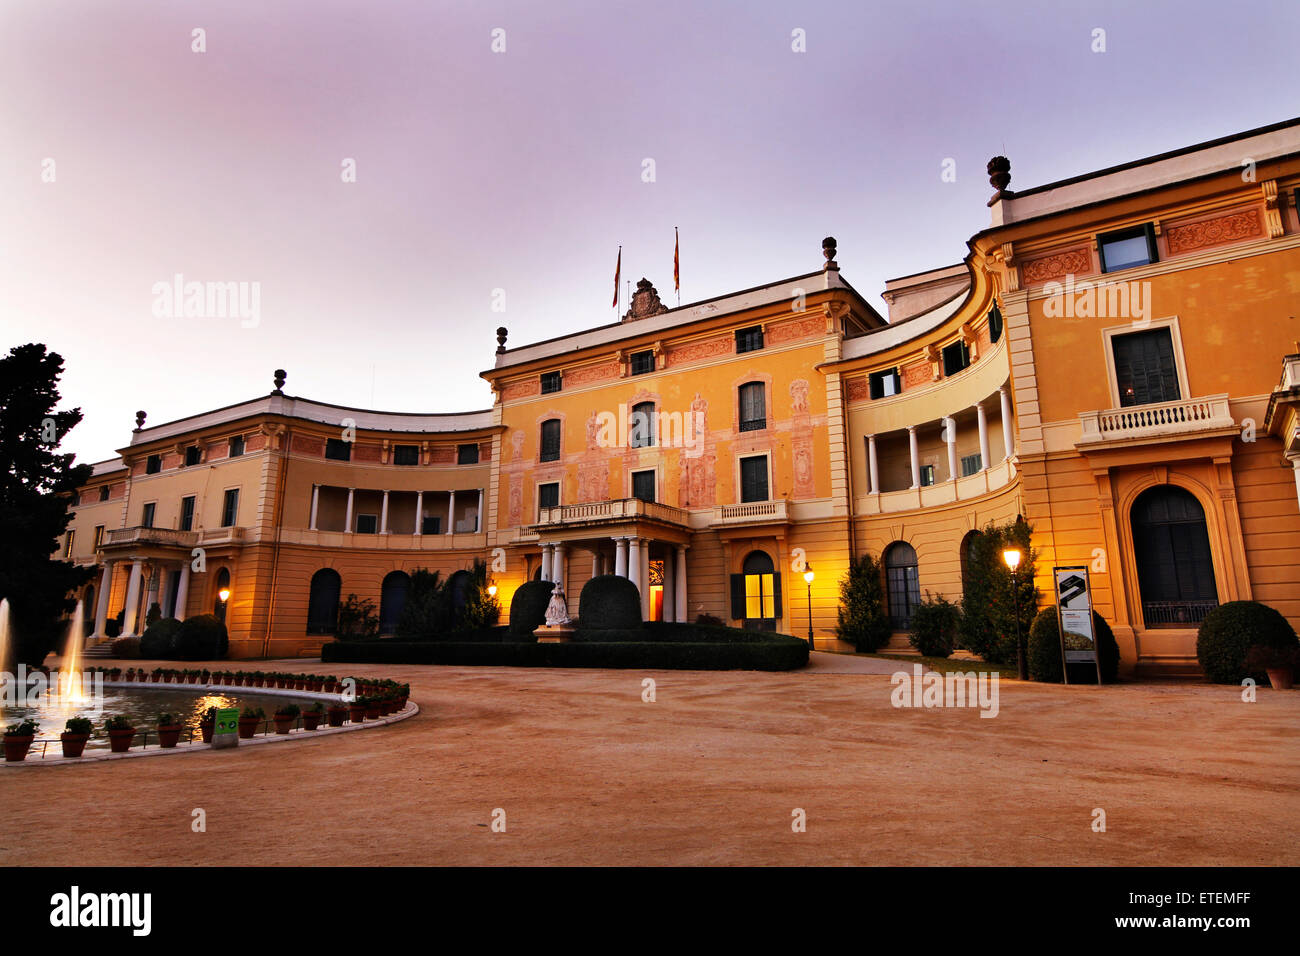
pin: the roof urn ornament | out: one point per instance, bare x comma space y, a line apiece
999, 170
139, 420
828, 250
502, 332
280, 376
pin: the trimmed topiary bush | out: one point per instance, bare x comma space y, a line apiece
1229, 632
528, 609
1044, 651
202, 638
159, 639
126, 648
610, 602
935, 623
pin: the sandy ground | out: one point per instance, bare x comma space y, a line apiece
588, 773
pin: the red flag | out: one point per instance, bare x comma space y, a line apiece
618, 268
677, 261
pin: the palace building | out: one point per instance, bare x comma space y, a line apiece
1116, 359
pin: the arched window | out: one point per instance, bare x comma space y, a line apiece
223, 584
551, 440
756, 592
641, 425
902, 583
458, 586
323, 605
753, 407
969, 555
1172, 550
392, 598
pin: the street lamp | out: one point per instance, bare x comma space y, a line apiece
224, 595
492, 590
1012, 557
808, 579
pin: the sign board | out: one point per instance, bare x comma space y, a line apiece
1074, 615
225, 732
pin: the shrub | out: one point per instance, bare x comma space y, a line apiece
153, 615
159, 639
935, 624
202, 638
1044, 652
126, 648
426, 615
1261, 659
610, 602
358, 619
988, 619
710, 620
863, 620
528, 609
481, 609
112, 627
1229, 632
78, 725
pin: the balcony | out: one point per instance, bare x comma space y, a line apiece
165, 537
751, 512
1186, 416
603, 512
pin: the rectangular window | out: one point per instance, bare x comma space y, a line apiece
406, 454
643, 485
153, 464
1145, 371
431, 524
367, 524
103, 493
760, 596
338, 449
67, 549
753, 407
995, 324
146, 517
955, 357
230, 508
551, 440
884, 383
236, 446
1127, 248
467, 454
753, 479
927, 475
99, 536
551, 382
750, 339
187, 513
642, 362
970, 464
192, 455
548, 495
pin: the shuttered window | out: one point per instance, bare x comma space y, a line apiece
1145, 370
753, 407
642, 425
756, 592
551, 440
884, 383
753, 479
643, 485
548, 495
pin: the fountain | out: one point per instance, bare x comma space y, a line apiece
70, 664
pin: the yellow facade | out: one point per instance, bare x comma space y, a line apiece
793, 425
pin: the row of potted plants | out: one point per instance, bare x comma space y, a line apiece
19, 737
314, 683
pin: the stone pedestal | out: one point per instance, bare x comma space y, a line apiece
554, 633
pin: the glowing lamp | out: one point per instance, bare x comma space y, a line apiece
224, 595
1012, 557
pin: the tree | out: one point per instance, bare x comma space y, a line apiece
427, 611
358, 620
35, 487
863, 620
988, 619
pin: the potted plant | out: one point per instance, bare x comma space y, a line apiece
373, 705
75, 734
357, 710
120, 733
208, 724
312, 718
169, 730
249, 720
1278, 662
285, 715
336, 714
19, 737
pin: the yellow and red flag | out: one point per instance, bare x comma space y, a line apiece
618, 268
677, 260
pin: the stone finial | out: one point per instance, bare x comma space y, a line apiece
502, 332
280, 376
828, 250
139, 420
999, 170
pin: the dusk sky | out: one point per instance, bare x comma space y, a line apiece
522, 170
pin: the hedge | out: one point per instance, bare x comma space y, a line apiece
1229, 632
609, 602
1044, 651
202, 638
528, 608
159, 639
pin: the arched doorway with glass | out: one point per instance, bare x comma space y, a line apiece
392, 599
756, 592
1175, 566
902, 584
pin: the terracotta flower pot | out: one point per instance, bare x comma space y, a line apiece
311, 719
169, 735
16, 747
372, 711
283, 723
248, 726
73, 744
357, 713
207, 728
1280, 677
337, 715
119, 741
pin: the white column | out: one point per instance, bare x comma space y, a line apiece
546, 563
1005, 394
634, 561
101, 605
557, 567
182, 592
916, 456
670, 579
347, 521
132, 599
597, 560
383, 515
151, 597
451, 513
315, 506
873, 471
983, 419
620, 557
644, 583
419, 512
478, 520
950, 431
679, 592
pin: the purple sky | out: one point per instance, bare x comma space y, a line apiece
522, 170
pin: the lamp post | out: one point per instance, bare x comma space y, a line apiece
1012, 557
808, 579
223, 596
